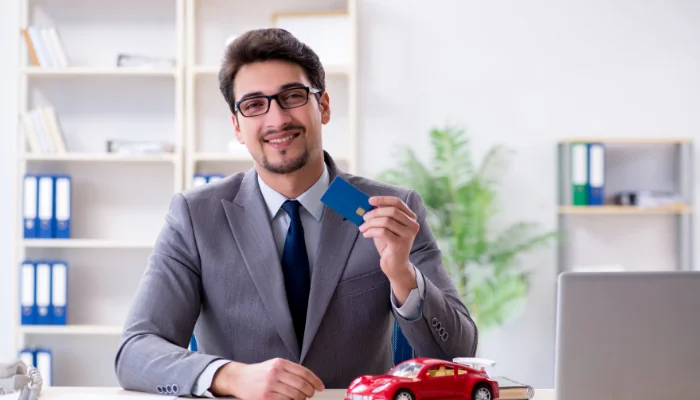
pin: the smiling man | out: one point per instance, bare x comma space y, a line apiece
285, 296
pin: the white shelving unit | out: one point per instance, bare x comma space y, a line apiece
119, 201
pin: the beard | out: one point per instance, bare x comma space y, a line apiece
288, 165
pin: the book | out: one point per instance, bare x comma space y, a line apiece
513, 390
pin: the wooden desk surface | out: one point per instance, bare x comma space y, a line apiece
85, 393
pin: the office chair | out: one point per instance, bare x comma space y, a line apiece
399, 345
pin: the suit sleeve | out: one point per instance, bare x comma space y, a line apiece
152, 356
444, 330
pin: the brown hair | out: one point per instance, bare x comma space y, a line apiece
267, 44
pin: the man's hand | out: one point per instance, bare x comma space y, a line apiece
393, 227
276, 379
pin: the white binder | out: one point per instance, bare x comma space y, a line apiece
43, 293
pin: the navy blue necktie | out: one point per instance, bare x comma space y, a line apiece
295, 265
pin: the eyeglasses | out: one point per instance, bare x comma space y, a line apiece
290, 98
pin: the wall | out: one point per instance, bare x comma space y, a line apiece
520, 73
526, 74
8, 144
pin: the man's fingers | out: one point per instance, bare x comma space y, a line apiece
296, 382
391, 201
306, 374
389, 224
286, 392
395, 214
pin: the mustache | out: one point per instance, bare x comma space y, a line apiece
290, 127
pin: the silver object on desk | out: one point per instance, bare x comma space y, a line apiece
628, 335
17, 377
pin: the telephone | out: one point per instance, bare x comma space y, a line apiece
18, 377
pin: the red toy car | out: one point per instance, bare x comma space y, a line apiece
425, 378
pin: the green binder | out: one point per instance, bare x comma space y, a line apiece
579, 173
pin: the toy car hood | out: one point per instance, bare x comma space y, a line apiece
367, 383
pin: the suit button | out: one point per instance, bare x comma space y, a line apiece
435, 321
441, 331
443, 336
176, 388
168, 389
160, 389
438, 327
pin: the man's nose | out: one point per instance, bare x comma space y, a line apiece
276, 116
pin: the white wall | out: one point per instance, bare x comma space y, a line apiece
520, 73
8, 144
527, 73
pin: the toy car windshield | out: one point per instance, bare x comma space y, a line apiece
408, 369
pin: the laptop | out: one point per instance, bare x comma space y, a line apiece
628, 336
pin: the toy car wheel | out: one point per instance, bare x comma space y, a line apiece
482, 392
404, 394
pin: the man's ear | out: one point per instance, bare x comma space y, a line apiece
237, 129
325, 105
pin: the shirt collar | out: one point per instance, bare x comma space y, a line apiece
310, 199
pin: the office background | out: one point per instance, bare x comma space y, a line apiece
525, 74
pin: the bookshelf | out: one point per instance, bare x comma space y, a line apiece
610, 230
119, 201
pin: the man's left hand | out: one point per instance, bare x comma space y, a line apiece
393, 227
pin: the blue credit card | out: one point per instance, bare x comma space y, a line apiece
347, 200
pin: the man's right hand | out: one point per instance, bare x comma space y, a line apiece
276, 379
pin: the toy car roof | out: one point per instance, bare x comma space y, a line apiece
475, 362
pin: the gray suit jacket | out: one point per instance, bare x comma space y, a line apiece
214, 269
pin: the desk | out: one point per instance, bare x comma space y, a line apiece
79, 393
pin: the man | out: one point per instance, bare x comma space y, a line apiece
287, 296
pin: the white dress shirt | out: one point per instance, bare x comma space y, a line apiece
311, 213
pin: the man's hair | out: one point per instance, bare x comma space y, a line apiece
267, 44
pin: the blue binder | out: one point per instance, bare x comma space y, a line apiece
43, 293
214, 177
30, 207
44, 363
62, 206
46, 206
28, 357
596, 174
59, 293
27, 293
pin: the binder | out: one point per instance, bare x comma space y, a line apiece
214, 178
46, 206
43, 293
596, 174
27, 356
44, 363
63, 207
28, 294
31, 206
579, 173
59, 293
199, 180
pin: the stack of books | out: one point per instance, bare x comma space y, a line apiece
43, 131
45, 47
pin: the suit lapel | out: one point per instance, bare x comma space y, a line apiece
337, 239
247, 217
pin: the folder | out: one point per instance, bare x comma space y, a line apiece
27, 356
579, 173
63, 207
59, 292
199, 180
30, 207
46, 206
44, 363
43, 293
596, 174
214, 177
28, 294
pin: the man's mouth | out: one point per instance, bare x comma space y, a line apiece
282, 140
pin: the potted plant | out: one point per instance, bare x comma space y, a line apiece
461, 201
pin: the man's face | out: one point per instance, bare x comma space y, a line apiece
281, 140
